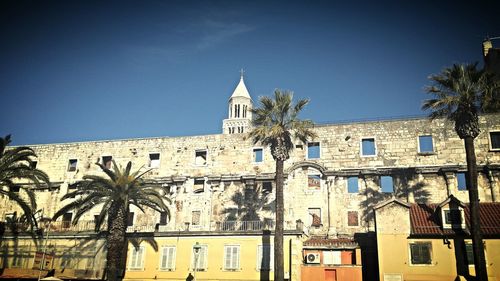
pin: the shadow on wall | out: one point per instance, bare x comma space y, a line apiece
249, 203
403, 191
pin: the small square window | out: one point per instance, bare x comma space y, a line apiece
195, 218
313, 150
14, 188
315, 215
107, 161
72, 163
352, 218
257, 155
314, 182
461, 182
453, 217
154, 160
425, 144
386, 184
352, 185
368, 147
199, 186
495, 140
267, 187
200, 158
421, 253
33, 164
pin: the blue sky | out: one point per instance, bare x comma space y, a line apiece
92, 70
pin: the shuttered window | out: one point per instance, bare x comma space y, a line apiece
265, 257
231, 257
136, 258
168, 258
201, 259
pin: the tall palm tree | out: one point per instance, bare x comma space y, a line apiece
276, 124
16, 176
460, 93
114, 194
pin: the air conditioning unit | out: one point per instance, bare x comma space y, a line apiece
312, 258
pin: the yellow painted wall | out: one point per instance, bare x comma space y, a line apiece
215, 271
394, 258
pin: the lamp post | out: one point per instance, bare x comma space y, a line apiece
196, 249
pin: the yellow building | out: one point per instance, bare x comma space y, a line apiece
432, 241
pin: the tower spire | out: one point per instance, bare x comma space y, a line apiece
241, 73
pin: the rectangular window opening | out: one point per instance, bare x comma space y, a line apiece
387, 184
267, 187
195, 218
154, 160
33, 164
453, 217
314, 182
315, 216
199, 186
421, 253
368, 147
352, 185
136, 258
200, 157
107, 161
15, 188
168, 258
72, 163
352, 218
257, 155
163, 218
265, 257
461, 182
313, 150
469, 252
495, 140
231, 257
199, 261
425, 144
130, 219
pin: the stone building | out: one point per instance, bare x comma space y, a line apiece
222, 192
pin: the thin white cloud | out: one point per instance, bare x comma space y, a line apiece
218, 32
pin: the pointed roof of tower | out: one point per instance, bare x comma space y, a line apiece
241, 89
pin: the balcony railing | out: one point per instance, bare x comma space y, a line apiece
225, 226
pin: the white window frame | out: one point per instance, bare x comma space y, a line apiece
489, 140
167, 261
260, 253
361, 147
307, 149
253, 155
134, 252
205, 260
232, 267
432, 141
206, 157
149, 160
76, 166
449, 225
431, 253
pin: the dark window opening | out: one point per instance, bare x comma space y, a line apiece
495, 140
107, 161
453, 217
72, 165
420, 253
130, 219
267, 187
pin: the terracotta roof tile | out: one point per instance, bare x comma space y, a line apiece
426, 221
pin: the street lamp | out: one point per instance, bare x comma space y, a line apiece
196, 249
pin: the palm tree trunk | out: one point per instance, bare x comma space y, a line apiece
116, 242
278, 233
477, 240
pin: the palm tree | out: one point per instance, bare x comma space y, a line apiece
460, 93
16, 170
114, 193
275, 124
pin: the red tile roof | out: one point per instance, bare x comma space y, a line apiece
425, 220
329, 242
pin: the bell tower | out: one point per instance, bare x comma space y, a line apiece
239, 111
